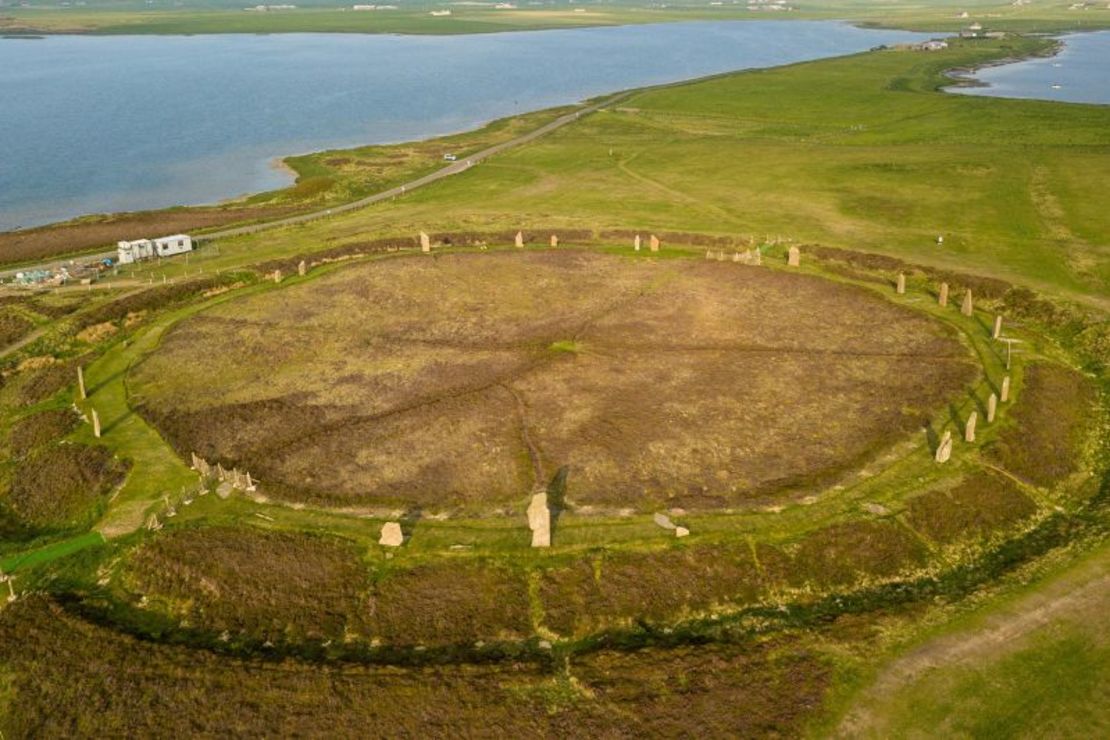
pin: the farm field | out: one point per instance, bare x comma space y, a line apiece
787, 414
414, 18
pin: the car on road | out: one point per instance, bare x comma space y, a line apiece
449, 157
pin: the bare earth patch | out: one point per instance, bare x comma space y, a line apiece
458, 380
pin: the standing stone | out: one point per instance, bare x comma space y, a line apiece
992, 407
539, 520
250, 484
736, 257
302, 268
653, 243
942, 296
901, 283
152, 523
518, 240
392, 536
221, 474
721, 255
757, 257
96, 423
969, 428
968, 307
709, 254
636, 243
277, 276
425, 242
195, 461
944, 449
794, 257
81, 383
1004, 395
997, 327
554, 240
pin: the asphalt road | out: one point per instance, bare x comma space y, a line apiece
452, 169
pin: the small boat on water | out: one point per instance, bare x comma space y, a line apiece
1056, 87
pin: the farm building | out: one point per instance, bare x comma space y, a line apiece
165, 246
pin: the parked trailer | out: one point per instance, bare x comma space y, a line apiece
165, 246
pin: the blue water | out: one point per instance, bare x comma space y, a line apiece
1081, 71
98, 124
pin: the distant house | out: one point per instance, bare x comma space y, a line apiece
933, 45
141, 249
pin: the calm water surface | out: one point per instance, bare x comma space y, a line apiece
1080, 73
95, 124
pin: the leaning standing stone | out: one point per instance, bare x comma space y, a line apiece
794, 257
95, 423
969, 428
997, 327
81, 383
944, 449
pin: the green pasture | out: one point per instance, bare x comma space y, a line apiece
415, 18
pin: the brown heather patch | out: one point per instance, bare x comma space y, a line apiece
1051, 416
450, 603
279, 586
61, 485
104, 231
39, 429
412, 381
71, 678
840, 554
13, 328
659, 586
977, 506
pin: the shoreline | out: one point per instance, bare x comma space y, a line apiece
964, 77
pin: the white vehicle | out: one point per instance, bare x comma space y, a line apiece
165, 246
449, 157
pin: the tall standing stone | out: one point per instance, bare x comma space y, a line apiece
81, 383
794, 257
942, 295
901, 283
653, 243
539, 520
518, 240
302, 268
554, 240
992, 408
969, 428
967, 308
944, 449
636, 243
95, 423
1004, 394
425, 242
997, 332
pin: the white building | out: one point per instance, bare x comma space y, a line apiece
165, 246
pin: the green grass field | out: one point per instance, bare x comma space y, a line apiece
414, 18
